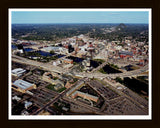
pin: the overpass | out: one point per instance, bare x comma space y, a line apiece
57, 69
116, 62
133, 73
100, 66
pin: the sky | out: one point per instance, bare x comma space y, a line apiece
35, 17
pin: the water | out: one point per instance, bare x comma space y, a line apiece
136, 85
108, 69
60, 55
28, 49
75, 59
128, 67
14, 47
95, 64
42, 53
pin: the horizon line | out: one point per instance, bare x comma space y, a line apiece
79, 23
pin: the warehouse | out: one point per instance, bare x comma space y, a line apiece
23, 86
124, 54
18, 72
85, 96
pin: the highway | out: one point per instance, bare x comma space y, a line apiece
133, 73
50, 67
45, 66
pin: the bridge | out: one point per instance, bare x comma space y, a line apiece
133, 73
117, 62
100, 66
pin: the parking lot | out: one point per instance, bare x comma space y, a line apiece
104, 91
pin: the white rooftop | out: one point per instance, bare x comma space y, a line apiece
17, 70
51, 48
22, 84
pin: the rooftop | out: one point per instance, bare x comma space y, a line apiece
52, 48
84, 94
22, 84
126, 53
18, 70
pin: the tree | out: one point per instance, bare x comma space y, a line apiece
52, 52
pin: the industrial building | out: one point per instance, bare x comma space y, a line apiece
79, 85
55, 63
124, 54
23, 86
49, 77
68, 85
16, 98
85, 96
87, 64
18, 72
55, 49
69, 61
27, 104
58, 86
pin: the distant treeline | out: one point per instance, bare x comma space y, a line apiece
53, 32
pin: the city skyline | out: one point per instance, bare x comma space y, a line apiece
86, 68
48, 17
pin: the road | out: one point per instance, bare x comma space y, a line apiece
50, 67
53, 101
133, 73
45, 66
58, 69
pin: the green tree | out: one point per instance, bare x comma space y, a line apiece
52, 52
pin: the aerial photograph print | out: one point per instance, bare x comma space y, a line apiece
79, 64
